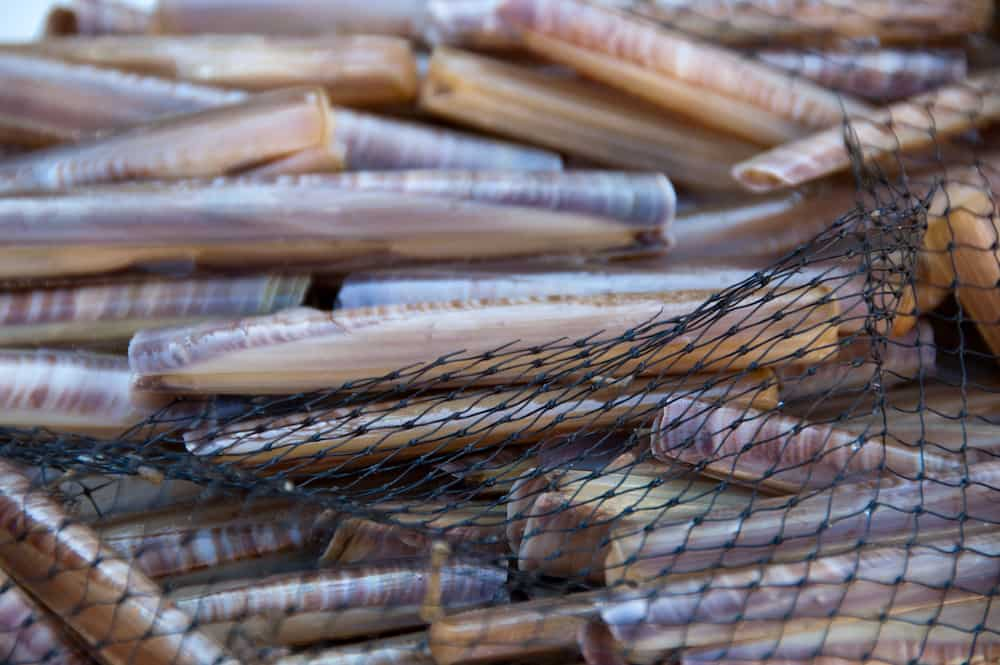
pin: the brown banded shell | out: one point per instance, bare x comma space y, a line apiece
117, 310
408, 649
30, 635
208, 143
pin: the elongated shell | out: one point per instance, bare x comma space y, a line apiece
772, 602
709, 84
780, 453
67, 391
577, 118
633, 198
302, 349
905, 126
209, 143
373, 143
303, 608
353, 70
96, 17
110, 605
409, 649
882, 75
290, 17
438, 424
794, 21
828, 521
116, 311
246, 224
28, 634
45, 100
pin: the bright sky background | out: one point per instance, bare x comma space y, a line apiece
22, 19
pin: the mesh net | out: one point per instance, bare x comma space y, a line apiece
790, 457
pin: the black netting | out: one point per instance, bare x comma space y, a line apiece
474, 400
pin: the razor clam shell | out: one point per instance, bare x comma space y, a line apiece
352, 69
906, 126
208, 143
68, 391
101, 17
317, 439
166, 543
340, 603
784, 454
598, 646
822, 522
28, 634
560, 525
373, 143
762, 227
631, 198
67, 102
542, 627
471, 23
249, 224
880, 76
408, 649
911, 357
305, 349
770, 603
708, 84
290, 17
110, 605
959, 632
117, 310
796, 22
577, 118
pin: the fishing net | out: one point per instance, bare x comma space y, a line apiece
799, 464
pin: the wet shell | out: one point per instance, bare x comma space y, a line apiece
28, 634
708, 84
96, 17
409, 649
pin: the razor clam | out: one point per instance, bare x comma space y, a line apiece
301, 608
708, 84
820, 522
109, 604
207, 143
181, 539
28, 634
576, 118
882, 75
115, 311
962, 631
502, 340
778, 602
68, 391
765, 227
35, 93
96, 17
560, 524
542, 627
465, 282
597, 645
364, 437
960, 248
783, 454
906, 126
245, 224
352, 69
909, 358
796, 22
474, 529
373, 143
408, 649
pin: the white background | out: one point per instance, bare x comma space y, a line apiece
22, 19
